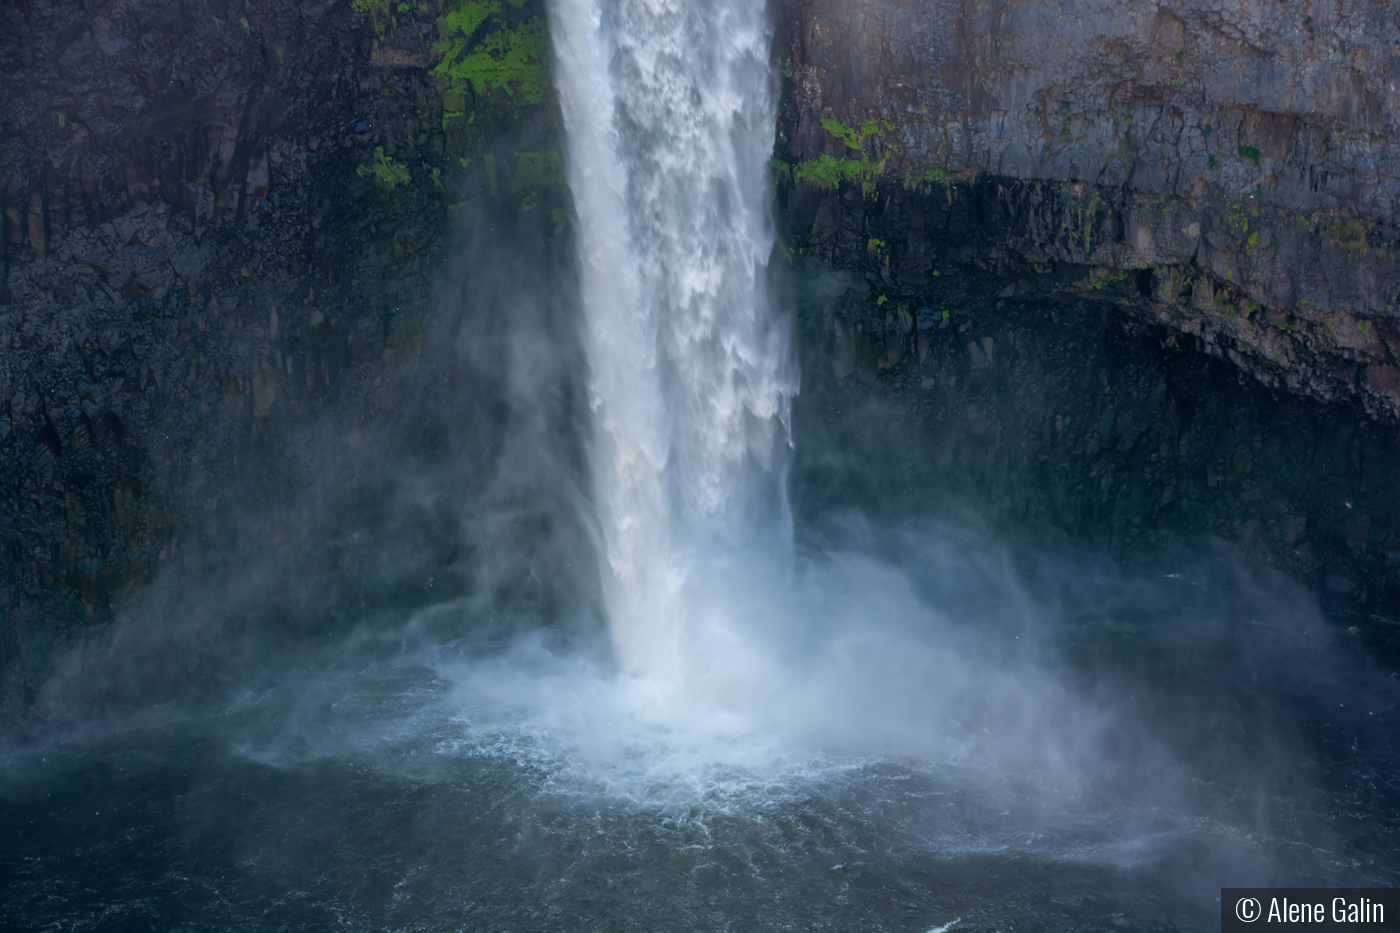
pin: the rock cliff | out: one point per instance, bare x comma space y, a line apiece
1236, 163
231, 335
1045, 216
225, 239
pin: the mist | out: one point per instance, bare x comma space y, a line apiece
605, 622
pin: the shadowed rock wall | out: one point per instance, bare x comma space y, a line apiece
1238, 160
1063, 415
225, 235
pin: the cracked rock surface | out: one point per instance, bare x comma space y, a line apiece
1242, 158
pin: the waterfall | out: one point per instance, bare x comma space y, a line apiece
669, 110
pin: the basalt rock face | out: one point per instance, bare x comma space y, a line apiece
1068, 418
1237, 163
156, 272
231, 335
224, 241
1047, 217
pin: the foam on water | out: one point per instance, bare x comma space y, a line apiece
822, 666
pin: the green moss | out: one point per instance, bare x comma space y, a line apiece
853, 138
1249, 152
388, 173
1115, 278
377, 9
938, 174
1348, 233
933, 175
479, 48
380, 12
458, 25
1358, 237
1087, 214
827, 172
824, 171
454, 101
844, 133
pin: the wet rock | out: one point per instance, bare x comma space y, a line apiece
1120, 435
1221, 168
162, 192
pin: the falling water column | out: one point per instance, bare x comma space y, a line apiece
668, 107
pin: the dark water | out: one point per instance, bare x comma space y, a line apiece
1245, 740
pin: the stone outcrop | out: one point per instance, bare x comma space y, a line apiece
1238, 161
225, 230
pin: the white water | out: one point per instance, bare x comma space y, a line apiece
736, 657
669, 110
733, 654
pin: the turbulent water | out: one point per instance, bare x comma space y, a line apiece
809, 720
670, 120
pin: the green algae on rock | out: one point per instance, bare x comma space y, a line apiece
388, 173
482, 48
